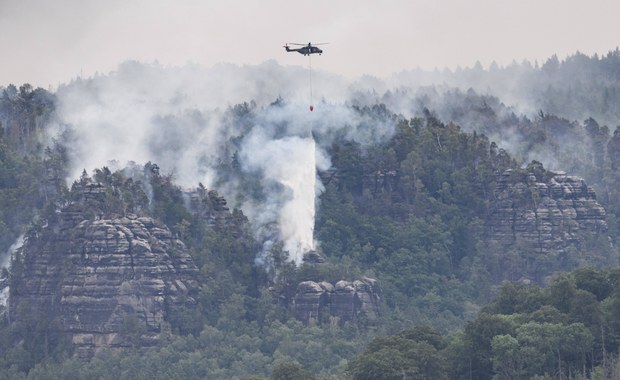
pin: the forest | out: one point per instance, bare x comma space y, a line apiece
420, 209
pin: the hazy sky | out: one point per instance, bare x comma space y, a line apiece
48, 42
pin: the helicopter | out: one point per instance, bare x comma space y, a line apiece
306, 49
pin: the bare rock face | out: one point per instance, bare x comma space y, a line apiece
311, 301
106, 281
213, 209
346, 300
313, 257
546, 216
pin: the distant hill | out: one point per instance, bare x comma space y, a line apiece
413, 204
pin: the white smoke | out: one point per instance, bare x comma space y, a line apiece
291, 162
4, 296
5, 259
140, 108
189, 120
5, 262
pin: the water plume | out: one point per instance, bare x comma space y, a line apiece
182, 120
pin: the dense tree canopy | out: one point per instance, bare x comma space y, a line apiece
410, 210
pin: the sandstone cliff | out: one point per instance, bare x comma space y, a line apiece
346, 300
106, 280
545, 215
213, 209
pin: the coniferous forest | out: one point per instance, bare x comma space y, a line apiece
467, 230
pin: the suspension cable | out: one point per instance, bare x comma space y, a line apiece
310, 69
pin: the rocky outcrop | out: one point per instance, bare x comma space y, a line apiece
548, 216
346, 300
313, 257
312, 300
107, 281
213, 209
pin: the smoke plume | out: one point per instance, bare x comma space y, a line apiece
191, 120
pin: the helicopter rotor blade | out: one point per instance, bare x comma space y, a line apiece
294, 43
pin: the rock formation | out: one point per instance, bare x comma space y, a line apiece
346, 300
313, 257
213, 209
545, 216
311, 301
106, 280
